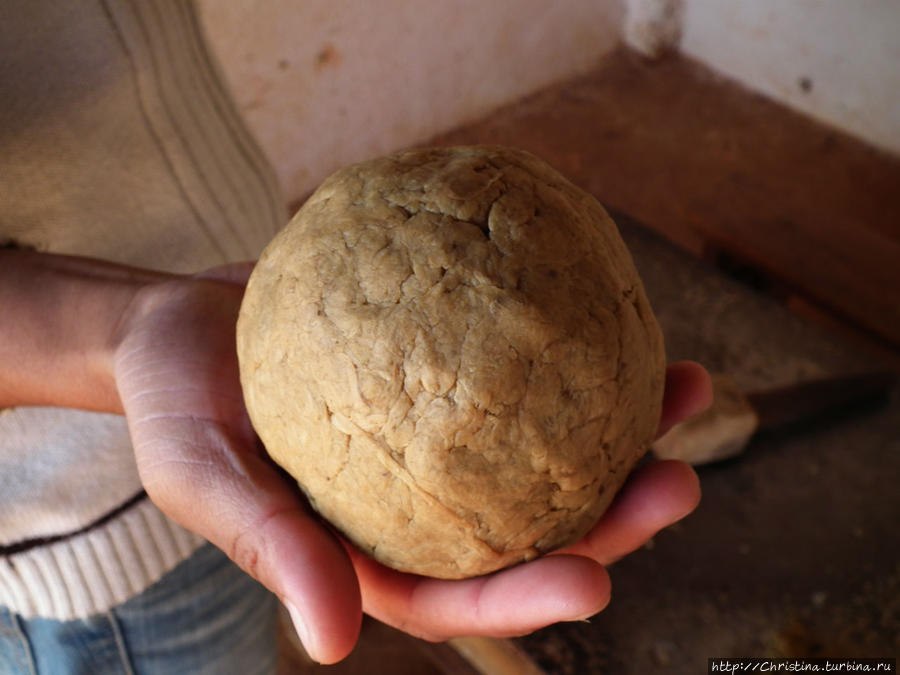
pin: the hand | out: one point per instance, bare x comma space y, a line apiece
201, 463
568, 585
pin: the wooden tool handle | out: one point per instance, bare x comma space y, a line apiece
495, 656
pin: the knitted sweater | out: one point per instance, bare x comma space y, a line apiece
117, 141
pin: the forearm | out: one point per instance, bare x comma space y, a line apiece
58, 324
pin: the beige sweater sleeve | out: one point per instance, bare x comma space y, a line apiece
117, 141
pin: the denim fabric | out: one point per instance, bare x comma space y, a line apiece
205, 616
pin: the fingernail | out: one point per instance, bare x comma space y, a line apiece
300, 627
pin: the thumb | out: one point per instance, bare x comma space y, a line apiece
303, 564
209, 484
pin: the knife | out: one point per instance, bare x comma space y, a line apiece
734, 417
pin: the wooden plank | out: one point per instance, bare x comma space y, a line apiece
381, 650
494, 656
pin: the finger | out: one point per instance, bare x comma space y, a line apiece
688, 391
316, 582
237, 501
654, 497
512, 602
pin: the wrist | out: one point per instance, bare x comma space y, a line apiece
63, 315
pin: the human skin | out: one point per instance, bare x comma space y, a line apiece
159, 348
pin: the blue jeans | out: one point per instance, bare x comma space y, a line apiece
205, 616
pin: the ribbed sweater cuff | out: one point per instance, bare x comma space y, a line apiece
91, 572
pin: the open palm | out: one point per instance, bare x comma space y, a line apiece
202, 464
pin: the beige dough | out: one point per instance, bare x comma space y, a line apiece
451, 351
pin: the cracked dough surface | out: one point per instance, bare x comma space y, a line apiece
451, 351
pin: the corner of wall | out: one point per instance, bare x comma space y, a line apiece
653, 27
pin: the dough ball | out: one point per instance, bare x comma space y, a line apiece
451, 351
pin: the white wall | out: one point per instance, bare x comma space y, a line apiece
837, 60
323, 83
653, 27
